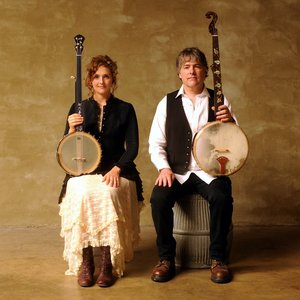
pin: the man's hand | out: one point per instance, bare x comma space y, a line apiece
223, 114
165, 178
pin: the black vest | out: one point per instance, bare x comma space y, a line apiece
179, 134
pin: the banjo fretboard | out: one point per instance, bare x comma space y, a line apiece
216, 66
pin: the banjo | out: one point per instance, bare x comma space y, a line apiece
219, 148
78, 153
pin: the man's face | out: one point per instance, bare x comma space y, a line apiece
192, 73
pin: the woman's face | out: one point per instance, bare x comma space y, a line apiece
102, 82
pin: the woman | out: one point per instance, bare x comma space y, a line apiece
101, 209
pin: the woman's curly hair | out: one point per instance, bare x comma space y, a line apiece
93, 66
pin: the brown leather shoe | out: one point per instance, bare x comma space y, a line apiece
86, 275
219, 272
163, 271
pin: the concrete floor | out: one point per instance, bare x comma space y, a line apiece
265, 262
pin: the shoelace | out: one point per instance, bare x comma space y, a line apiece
165, 264
218, 264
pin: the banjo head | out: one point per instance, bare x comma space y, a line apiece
220, 149
78, 153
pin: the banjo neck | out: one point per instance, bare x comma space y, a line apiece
216, 66
79, 39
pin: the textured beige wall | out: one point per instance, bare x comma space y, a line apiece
259, 43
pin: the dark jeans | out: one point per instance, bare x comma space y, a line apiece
218, 195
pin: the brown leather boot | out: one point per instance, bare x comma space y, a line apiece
86, 274
106, 277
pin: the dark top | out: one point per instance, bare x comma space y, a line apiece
118, 138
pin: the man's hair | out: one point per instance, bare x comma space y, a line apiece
187, 54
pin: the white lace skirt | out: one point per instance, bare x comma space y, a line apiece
94, 214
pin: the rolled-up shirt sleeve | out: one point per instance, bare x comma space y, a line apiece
226, 102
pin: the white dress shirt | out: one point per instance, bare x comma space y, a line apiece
197, 117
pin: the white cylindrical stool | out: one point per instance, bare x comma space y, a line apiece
192, 232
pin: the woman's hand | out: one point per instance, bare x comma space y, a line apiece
74, 120
223, 114
165, 178
112, 178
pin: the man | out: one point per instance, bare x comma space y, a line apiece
179, 116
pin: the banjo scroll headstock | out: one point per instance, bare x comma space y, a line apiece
212, 28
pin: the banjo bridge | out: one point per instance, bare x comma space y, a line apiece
220, 151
